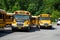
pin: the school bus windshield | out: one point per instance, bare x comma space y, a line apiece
22, 16
44, 18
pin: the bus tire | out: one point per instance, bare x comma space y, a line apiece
50, 27
14, 29
38, 27
28, 29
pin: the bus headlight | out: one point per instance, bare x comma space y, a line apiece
14, 25
26, 25
41, 24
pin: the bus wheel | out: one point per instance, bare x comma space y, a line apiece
14, 29
28, 29
50, 27
38, 27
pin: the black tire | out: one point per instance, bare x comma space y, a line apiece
14, 29
28, 29
41, 27
38, 27
50, 27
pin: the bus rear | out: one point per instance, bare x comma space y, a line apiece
10, 19
35, 21
2, 18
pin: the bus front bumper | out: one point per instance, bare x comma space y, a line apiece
46, 26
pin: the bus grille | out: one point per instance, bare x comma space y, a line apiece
46, 24
19, 24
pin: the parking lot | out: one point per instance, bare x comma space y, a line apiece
34, 34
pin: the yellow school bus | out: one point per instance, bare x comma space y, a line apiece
35, 21
45, 21
5, 19
22, 20
2, 18
9, 19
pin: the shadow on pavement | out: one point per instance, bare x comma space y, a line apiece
5, 32
33, 29
49, 28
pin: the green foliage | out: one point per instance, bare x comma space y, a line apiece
36, 7
32, 8
55, 14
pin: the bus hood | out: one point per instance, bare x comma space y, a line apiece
45, 21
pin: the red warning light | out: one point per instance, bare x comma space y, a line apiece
16, 12
27, 13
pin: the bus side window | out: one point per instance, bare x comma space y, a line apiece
1, 16
33, 19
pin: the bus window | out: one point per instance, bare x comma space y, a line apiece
33, 18
1, 16
8, 17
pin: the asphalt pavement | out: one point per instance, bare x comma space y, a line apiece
34, 34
